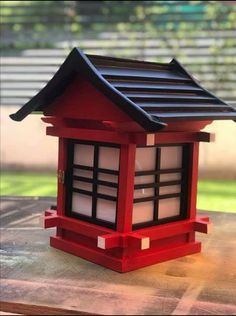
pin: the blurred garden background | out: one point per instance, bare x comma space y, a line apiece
36, 36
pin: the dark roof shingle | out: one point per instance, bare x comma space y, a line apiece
151, 93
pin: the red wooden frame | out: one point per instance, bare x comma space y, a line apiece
142, 139
119, 239
124, 250
137, 251
193, 179
126, 188
62, 161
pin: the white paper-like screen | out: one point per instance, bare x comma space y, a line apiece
82, 204
142, 212
83, 173
170, 189
82, 185
141, 193
171, 157
83, 155
107, 190
170, 177
144, 179
169, 207
109, 158
106, 210
145, 159
107, 177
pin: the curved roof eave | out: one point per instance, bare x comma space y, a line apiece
181, 68
77, 62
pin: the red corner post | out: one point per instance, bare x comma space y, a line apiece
193, 180
126, 188
62, 162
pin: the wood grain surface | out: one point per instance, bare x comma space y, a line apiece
38, 279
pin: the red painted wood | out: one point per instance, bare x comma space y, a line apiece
62, 163
135, 240
167, 230
191, 237
123, 249
84, 101
128, 126
90, 135
80, 239
96, 256
126, 138
183, 126
126, 188
127, 264
55, 121
76, 123
83, 228
186, 126
121, 239
96, 131
203, 226
193, 179
181, 137
51, 221
91, 243
134, 263
109, 241
156, 245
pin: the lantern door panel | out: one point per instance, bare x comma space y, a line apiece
160, 186
92, 182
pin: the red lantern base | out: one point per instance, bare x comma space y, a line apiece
125, 252
127, 264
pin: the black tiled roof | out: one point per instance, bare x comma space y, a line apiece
152, 94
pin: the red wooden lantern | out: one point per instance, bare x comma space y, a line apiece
128, 158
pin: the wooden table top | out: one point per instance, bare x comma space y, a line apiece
38, 279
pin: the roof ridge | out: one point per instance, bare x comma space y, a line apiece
127, 60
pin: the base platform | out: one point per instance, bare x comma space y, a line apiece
128, 264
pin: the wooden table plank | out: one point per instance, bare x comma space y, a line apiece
30, 309
33, 274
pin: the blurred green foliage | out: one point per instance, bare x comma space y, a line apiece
77, 18
28, 184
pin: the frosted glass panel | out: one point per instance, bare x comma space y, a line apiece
171, 157
107, 190
170, 189
83, 155
109, 158
106, 210
140, 193
170, 177
108, 177
83, 173
83, 185
82, 204
145, 159
144, 179
143, 212
169, 207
